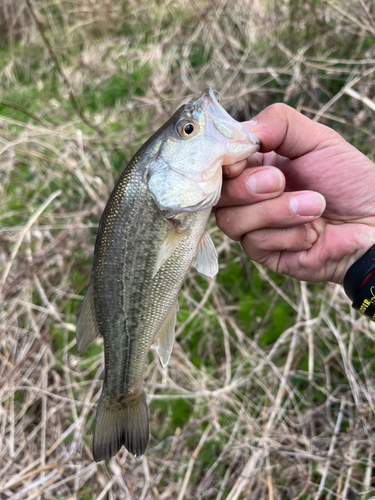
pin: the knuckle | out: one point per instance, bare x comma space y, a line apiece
265, 212
280, 109
227, 223
221, 216
277, 106
233, 189
261, 238
251, 249
332, 137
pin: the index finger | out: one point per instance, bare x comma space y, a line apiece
284, 130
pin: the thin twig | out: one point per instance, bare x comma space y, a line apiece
52, 54
331, 448
22, 235
309, 330
24, 111
192, 461
124, 476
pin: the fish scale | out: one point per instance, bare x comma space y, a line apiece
151, 231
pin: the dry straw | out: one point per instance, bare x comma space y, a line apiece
234, 415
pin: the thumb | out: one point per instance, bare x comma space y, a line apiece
284, 130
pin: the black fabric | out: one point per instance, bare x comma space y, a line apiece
357, 273
365, 301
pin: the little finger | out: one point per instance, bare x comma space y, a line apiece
258, 244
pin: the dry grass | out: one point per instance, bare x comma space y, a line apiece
269, 393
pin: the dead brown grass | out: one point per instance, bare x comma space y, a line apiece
291, 418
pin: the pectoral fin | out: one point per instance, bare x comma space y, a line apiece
87, 328
205, 260
165, 336
173, 238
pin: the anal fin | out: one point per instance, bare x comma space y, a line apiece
205, 260
165, 337
87, 328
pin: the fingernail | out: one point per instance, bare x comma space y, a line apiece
265, 181
307, 204
250, 123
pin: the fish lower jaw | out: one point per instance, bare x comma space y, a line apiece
233, 156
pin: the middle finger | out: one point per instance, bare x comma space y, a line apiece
286, 210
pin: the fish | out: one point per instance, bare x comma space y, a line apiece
151, 230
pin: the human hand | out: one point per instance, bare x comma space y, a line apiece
313, 215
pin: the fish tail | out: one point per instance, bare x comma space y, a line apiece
120, 424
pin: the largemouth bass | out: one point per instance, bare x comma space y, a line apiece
151, 231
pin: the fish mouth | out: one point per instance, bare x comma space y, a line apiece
239, 141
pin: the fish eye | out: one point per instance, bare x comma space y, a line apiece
186, 128
189, 128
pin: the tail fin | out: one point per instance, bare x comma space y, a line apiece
118, 425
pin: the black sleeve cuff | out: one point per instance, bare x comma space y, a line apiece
362, 292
